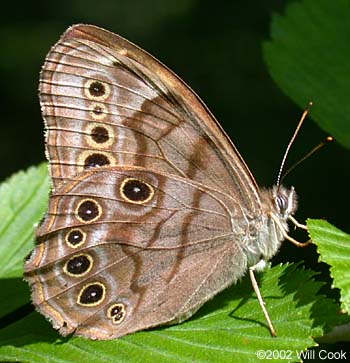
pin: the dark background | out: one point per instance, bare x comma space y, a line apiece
216, 47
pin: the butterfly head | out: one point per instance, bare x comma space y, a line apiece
279, 203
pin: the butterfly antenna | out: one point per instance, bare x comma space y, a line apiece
311, 152
302, 119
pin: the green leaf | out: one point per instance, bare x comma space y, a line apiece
309, 58
333, 245
230, 327
23, 202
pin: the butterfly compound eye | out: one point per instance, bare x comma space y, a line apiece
286, 201
282, 203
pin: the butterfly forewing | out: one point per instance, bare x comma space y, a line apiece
107, 102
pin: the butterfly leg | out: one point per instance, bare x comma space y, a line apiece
256, 288
286, 235
302, 226
296, 223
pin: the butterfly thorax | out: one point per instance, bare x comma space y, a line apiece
278, 204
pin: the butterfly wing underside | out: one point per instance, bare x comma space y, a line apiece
150, 198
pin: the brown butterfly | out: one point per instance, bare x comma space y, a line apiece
153, 211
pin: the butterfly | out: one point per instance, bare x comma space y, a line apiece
153, 211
